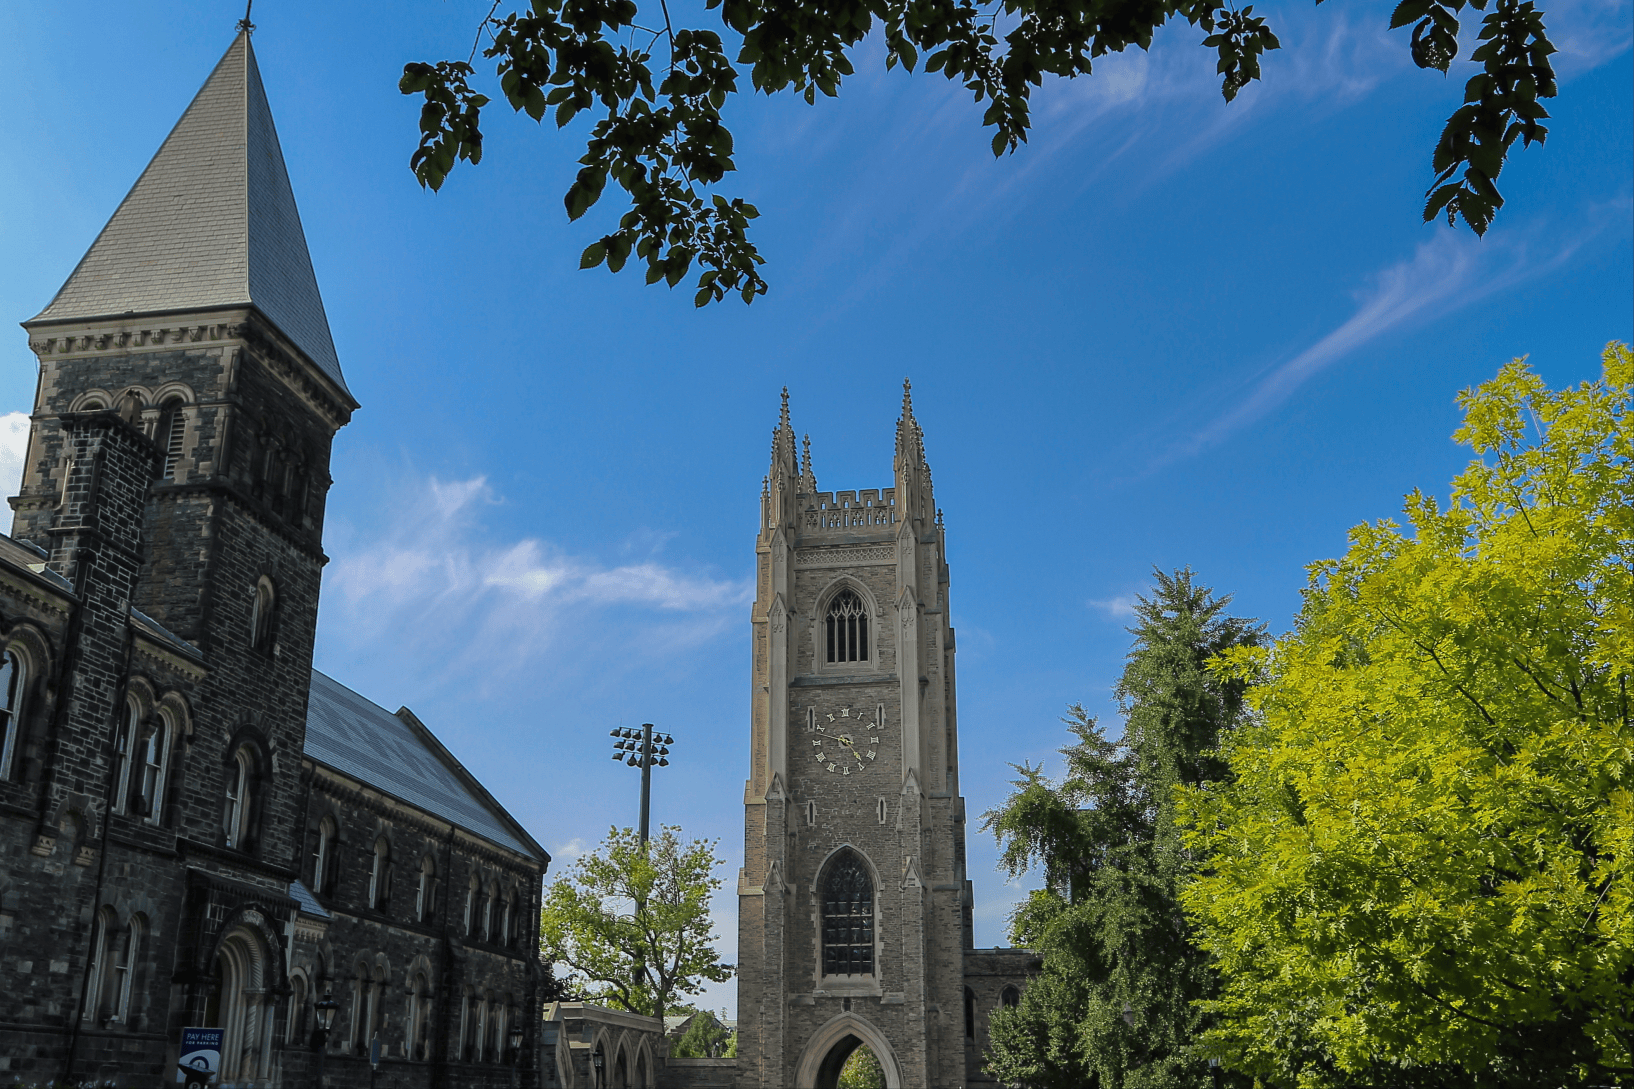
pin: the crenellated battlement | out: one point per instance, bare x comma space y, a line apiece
865, 509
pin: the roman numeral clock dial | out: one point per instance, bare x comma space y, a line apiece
844, 742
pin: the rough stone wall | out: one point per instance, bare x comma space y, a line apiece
987, 973
187, 551
390, 944
808, 799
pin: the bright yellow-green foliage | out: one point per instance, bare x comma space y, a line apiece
1425, 857
631, 924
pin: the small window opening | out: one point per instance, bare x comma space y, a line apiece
847, 628
175, 431
12, 677
1010, 998
970, 1014
884, 810
261, 614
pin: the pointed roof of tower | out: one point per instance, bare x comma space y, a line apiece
210, 223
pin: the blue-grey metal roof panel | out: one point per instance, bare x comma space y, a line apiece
359, 738
305, 900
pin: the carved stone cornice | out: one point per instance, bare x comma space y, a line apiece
220, 326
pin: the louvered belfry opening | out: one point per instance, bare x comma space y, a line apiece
848, 918
847, 628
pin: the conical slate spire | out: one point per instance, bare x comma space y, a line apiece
210, 223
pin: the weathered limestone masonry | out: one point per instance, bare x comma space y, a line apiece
423, 928
168, 756
854, 906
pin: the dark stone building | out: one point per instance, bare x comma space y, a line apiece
195, 828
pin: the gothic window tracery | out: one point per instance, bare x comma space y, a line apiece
848, 918
846, 628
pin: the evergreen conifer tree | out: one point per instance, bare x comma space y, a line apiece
1113, 1005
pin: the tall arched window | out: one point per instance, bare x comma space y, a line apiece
261, 614
847, 626
380, 875
970, 1014
471, 894
848, 918
123, 743
172, 430
1009, 998
297, 1009
97, 980
425, 897
490, 908
323, 853
13, 678
419, 1019
236, 820
155, 764
124, 971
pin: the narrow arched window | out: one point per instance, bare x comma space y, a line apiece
172, 431
380, 875
490, 908
124, 968
848, 918
155, 764
297, 1009
1009, 998
970, 1014
471, 893
13, 677
847, 628
236, 820
261, 614
124, 743
425, 897
322, 854
96, 983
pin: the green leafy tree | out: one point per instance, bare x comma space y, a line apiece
1113, 1006
1424, 856
705, 1038
632, 925
659, 91
862, 1071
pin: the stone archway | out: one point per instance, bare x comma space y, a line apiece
831, 1045
241, 969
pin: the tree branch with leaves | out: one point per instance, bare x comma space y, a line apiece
660, 90
631, 924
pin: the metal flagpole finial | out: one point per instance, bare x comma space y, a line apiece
244, 24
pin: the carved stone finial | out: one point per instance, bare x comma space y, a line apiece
783, 419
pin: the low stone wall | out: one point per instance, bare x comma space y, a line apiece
698, 1074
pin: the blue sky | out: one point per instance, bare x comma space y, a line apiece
1169, 331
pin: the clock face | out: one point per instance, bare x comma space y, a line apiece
844, 742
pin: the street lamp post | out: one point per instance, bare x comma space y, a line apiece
325, 1008
516, 1054
642, 749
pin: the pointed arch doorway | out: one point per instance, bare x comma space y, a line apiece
831, 1045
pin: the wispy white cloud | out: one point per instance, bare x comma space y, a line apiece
13, 449
1450, 271
430, 580
1119, 607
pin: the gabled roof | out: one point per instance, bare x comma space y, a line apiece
210, 223
398, 756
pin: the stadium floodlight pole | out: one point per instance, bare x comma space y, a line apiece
643, 749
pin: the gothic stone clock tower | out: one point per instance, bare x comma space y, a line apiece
854, 910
